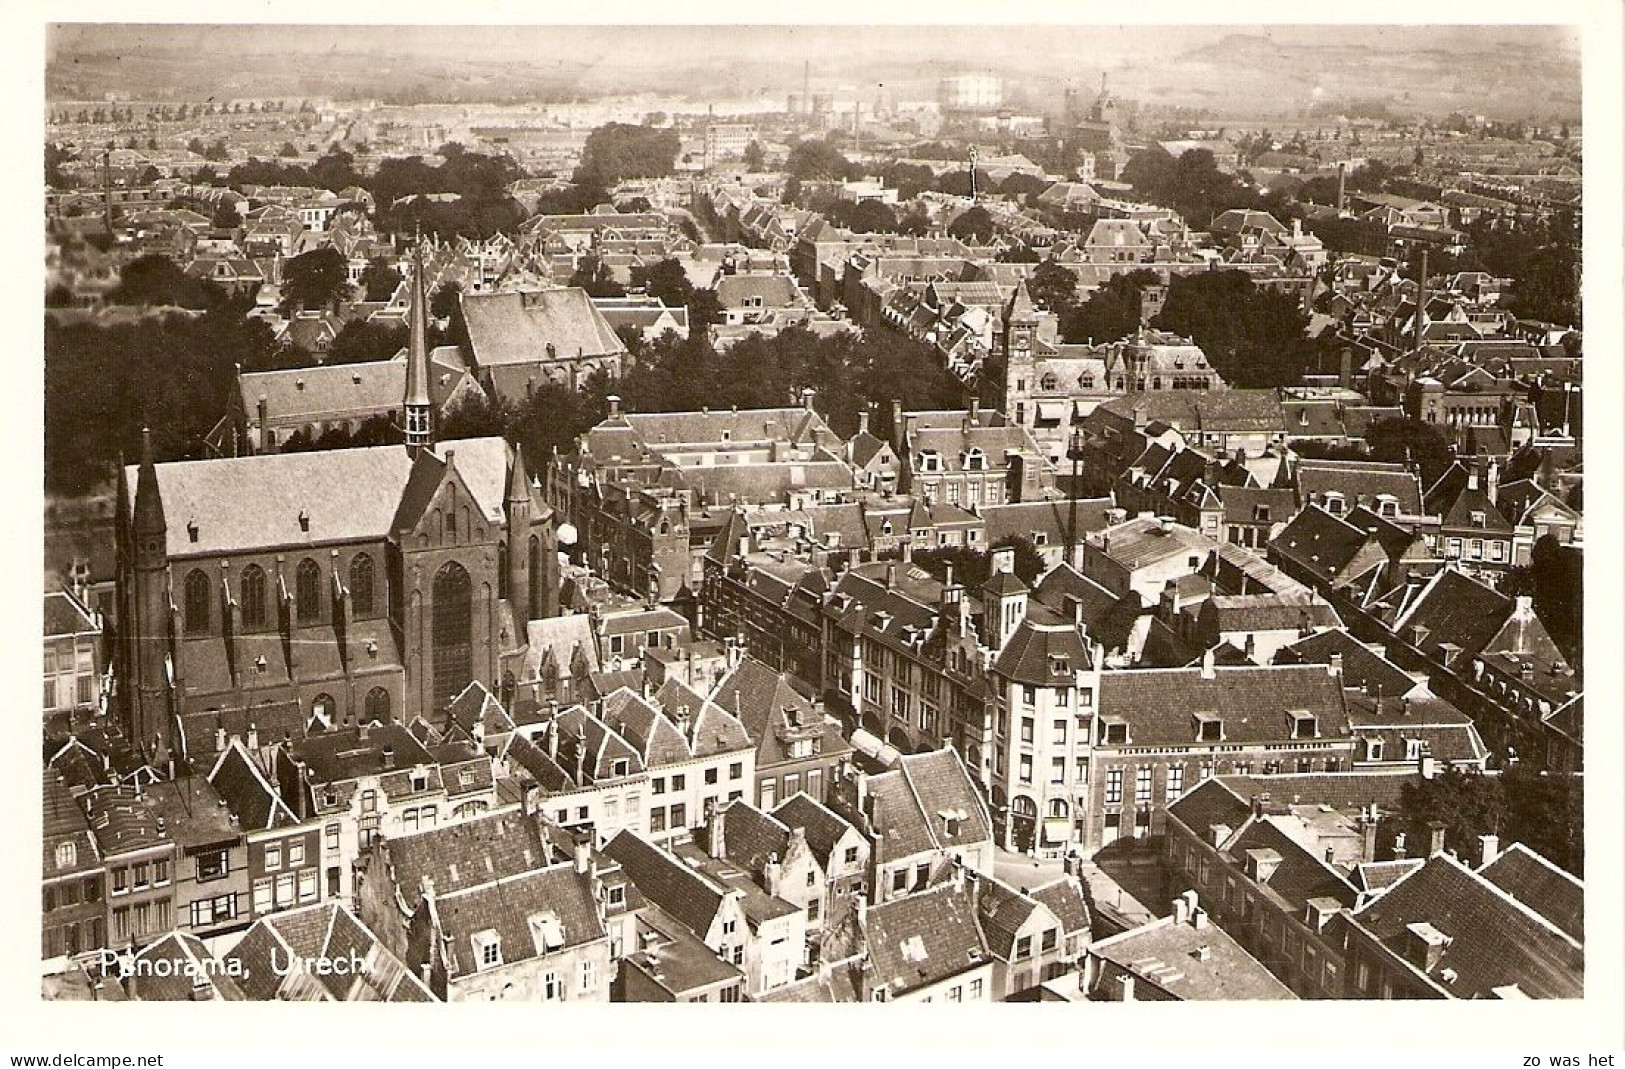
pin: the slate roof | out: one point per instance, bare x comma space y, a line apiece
1494, 940
188, 959
326, 931
1322, 544
491, 846
1540, 885
244, 504
65, 823
771, 710
1360, 481
64, 615
1044, 655
238, 779
1064, 897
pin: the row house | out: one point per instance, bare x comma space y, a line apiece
73, 878
798, 749
578, 772
1182, 957
139, 856
284, 854
212, 885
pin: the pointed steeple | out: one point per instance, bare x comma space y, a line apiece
1021, 309
417, 405
517, 509
149, 505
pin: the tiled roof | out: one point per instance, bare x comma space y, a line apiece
1064, 897
690, 897
911, 800
1299, 874
1252, 702
189, 963
1212, 802
822, 825
511, 908
247, 792
923, 938
491, 846
1542, 886
65, 823
241, 504
1322, 544
1190, 963
1493, 940
1044, 655
518, 328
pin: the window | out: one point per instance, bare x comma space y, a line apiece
1209, 727
851, 855
308, 591
65, 855
296, 853
1024, 948
308, 890
1114, 786
589, 975
899, 881
284, 890
1176, 781
657, 820
369, 801
710, 776
1027, 729
1057, 773
361, 584
659, 785
139, 877
197, 602
273, 855
1026, 768
1142, 784
769, 793
792, 784
121, 881
679, 816
160, 872
678, 782
377, 705
736, 770
1029, 695
488, 949
1050, 936
262, 896
1059, 737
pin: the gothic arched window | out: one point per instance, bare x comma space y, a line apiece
253, 596
307, 592
535, 599
377, 706
502, 571
361, 584
453, 629
197, 602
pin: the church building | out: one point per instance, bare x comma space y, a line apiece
261, 595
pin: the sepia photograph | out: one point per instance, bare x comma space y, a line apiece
815, 514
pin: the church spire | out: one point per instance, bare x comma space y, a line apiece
1021, 305
149, 506
417, 404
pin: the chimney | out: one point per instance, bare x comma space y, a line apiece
1421, 297
1489, 848
1435, 837
863, 420
1125, 988
1399, 847
1199, 919
718, 844
265, 424
389, 756
1208, 671
583, 851
1334, 666
975, 407
614, 406
807, 395
253, 737
891, 575
1345, 369
366, 729
772, 874
1182, 911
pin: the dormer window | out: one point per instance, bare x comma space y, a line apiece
548, 931
66, 855
1413, 749
1373, 749
1387, 505
621, 766
1261, 513
1114, 732
420, 781
487, 949
1303, 724
1332, 502
1060, 664
1478, 518
1209, 727
930, 461
975, 460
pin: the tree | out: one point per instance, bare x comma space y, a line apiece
363, 342
316, 279
288, 149
1547, 288
755, 159
1053, 287
1254, 336
816, 160
594, 276
1018, 254
665, 280
379, 280
477, 416
618, 151
155, 279
1111, 312
1542, 810
973, 226
1400, 441
704, 309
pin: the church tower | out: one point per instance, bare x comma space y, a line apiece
417, 407
148, 699
1020, 362
517, 508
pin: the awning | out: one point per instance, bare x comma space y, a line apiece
1057, 830
1052, 411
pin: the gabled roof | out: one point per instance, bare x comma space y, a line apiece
1548, 890
240, 782
522, 911
1253, 702
923, 938
822, 825
914, 801
688, 896
1493, 941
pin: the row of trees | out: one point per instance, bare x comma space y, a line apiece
1543, 811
